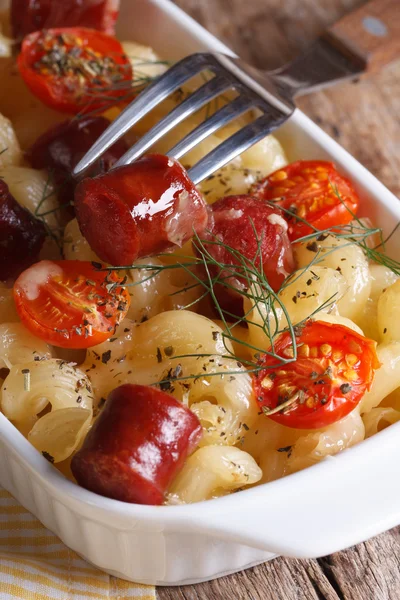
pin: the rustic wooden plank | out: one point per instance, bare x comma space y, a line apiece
363, 117
367, 571
280, 579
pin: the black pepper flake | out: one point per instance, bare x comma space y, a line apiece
126, 330
324, 400
312, 246
105, 357
246, 427
96, 265
385, 330
345, 388
48, 456
166, 386
215, 335
159, 355
309, 281
285, 449
168, 351
294, 299
79, 399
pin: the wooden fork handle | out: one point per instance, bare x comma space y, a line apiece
370, 34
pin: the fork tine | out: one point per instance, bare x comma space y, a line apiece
204, 94
219, 119
155, 93
235, 145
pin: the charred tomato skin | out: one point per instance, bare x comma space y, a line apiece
139, 210
21, 235
137, 445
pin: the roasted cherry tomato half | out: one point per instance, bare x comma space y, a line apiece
137, 445
241, 226
334, 368
314, 191
32, 15
139, 210
21, 235
70, 303
75, 70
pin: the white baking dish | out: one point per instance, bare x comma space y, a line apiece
325, 508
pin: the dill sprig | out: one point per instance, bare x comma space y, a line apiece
54, 232
208, 273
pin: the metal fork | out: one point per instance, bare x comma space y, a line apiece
330, 59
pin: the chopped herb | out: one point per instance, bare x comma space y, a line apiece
48, 456
27, 379
345, 388
168, 351
159, 355
312, 246
285, 449
105, 357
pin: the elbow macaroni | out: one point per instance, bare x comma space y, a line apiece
54, 402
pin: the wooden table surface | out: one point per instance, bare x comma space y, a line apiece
364, 117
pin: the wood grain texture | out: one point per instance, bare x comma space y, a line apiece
371, 33
365, 119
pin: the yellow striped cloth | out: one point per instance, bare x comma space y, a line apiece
36, 565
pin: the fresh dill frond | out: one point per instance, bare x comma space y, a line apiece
208, 273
